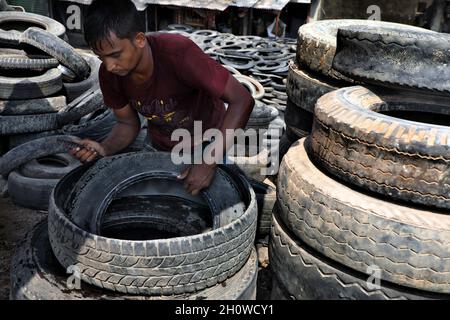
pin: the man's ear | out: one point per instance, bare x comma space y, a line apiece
140, 40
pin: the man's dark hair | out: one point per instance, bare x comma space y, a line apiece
118, 16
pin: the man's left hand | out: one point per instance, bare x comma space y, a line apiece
198, 177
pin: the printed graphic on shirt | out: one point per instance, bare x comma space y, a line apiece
164, 114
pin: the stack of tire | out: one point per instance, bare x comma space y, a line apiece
363, 203
46, 88
209, 254
312, 75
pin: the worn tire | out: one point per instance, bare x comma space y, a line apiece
26, 63
317, 42
53, 166
75, 89
266, 195
32, 106
37, 275
299, 118
155, 267
304, 88
40, 86
58, 49
405, 160
300, 273
394, 57
410, 246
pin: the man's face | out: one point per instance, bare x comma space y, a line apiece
120, 56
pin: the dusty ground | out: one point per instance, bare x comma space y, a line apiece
15, 222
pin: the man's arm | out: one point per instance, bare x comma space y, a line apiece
240, 106
122, 135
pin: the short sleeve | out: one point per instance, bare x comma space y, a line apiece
109, 85
200, 71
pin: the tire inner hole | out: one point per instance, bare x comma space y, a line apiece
19, 25
53, 162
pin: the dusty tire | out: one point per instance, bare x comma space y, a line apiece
300, 273
40, 86
299, 118
317, 42
27, 19
50, 167
26, 63
410, 246
266, 195
32, 106
74, 90
37, 275
394, 57
155, 267
305, 88
58, 49
405, 160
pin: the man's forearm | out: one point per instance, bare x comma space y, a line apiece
121, 136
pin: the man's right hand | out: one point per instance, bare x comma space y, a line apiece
88, 151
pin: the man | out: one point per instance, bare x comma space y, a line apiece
165, 77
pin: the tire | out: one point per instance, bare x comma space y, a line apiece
37, 275
253, 165
58, 49
74, 90
95, 126
305, 88
31, 185
33, 106
21, 88
265, 196
285, 144
172, 266
35, 149
317, 42
261, 116
394, 57
26, 63
301, 273
410, 246
403, 159
12, 37
299, 118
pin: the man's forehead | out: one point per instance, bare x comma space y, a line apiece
109, 44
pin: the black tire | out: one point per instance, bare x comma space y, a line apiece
299, 118
300, 273
31, 20
394, 57
317, 42
32, 106
53, 166
20, 88
172, 266
28, 123
405, 160
88, 102
37, 275
265, 196
410, 246
304, 88
28, 192
95, 126
58, 49
261, 116
35, 149
285, 144
74, 90
27, 63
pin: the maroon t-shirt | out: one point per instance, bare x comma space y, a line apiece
186, 86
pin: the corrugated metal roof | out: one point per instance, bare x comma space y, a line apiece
271, 4
242, 3
201, 4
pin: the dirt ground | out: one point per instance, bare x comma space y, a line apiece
15, 222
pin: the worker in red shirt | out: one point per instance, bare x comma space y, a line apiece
165, 77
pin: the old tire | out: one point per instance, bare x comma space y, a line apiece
317, 42
32, 106
266, 195
394, 57
37, 275
405, 160
300, 273
155, 267
299, 118
410, 246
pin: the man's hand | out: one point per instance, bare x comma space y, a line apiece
198, 177
89, 150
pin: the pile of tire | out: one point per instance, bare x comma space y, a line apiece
261, 65
363, 202
312, 75
193, 247
47, 88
